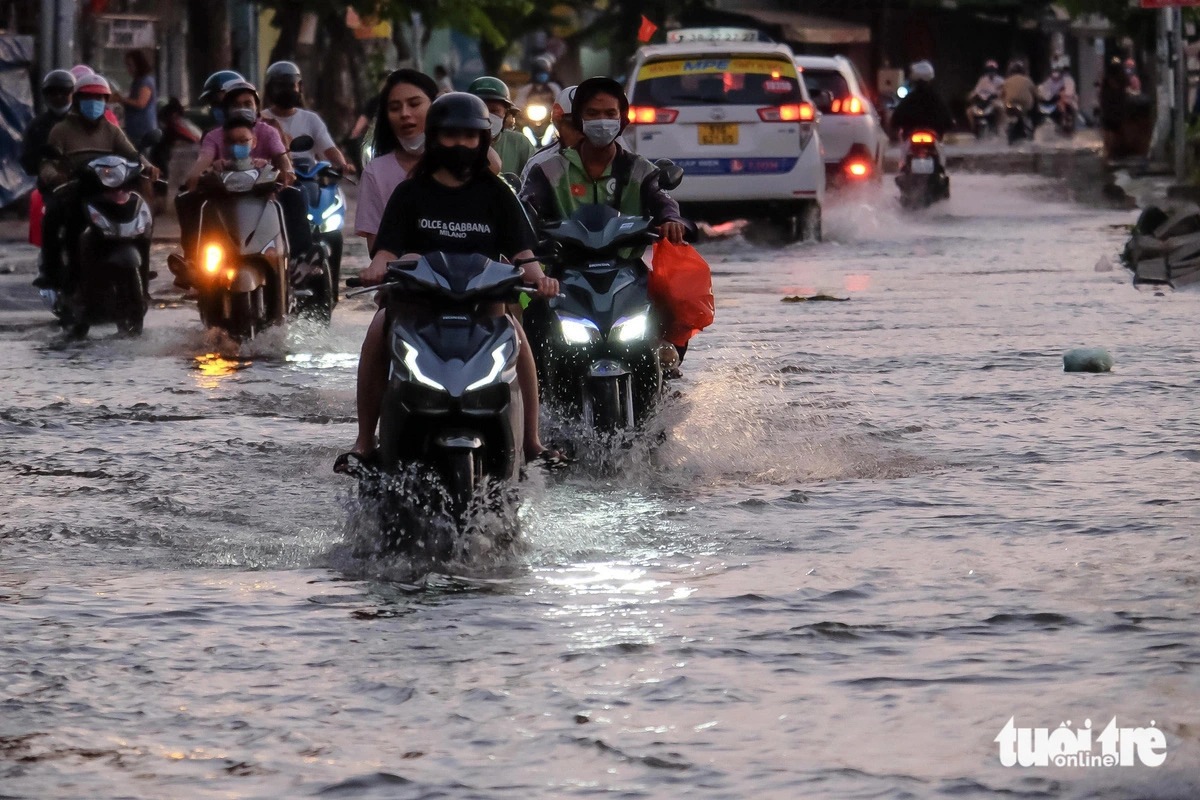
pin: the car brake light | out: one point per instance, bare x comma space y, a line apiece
851, 105
858, 169
922, 137
793, 112
649, 115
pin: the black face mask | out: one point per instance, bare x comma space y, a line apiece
460, 160
288, 98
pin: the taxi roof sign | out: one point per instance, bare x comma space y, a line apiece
685, 35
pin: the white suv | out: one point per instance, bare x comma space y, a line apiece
733, 112
854, 139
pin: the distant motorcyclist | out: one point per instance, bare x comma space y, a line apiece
57, 87
284, 105
1019, 90
83, 134
568, 136
922, 108
1059, 88
540, 86
513, 148
990, 83
213, 93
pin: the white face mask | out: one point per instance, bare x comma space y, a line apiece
60, 110
602, 132
497, 124
414, 144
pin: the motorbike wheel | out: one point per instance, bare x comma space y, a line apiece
132, 299
243, 322
459, 478
336, 242
324, 295
607, 412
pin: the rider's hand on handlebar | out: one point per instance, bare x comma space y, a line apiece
547, 287
259, 163
673, 232
153, 173
287, 177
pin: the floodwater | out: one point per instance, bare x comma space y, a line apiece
876, 531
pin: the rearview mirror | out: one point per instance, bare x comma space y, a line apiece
670, 175
301, 143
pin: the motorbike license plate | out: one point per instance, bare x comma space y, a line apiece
922, 166
718, 133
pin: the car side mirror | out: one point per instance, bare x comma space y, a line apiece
301, 144
670, 175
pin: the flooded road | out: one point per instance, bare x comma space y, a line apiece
877, 530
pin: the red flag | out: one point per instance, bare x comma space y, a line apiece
646, 31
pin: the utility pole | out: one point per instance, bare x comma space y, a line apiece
1181, 86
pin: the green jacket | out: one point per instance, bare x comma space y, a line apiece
514, 150
559, 186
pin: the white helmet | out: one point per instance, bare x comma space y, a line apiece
921, 71
566, 99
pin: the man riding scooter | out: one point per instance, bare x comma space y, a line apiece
283, 87
1058, 90
983, 104
82, 135
513, 148
57, 87
923, 109
600, 171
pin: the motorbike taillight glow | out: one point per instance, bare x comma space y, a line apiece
858, 169
922, 137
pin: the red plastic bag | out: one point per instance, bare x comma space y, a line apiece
681, 290
37, 210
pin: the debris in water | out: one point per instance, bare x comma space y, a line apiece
1087, 359
795, 298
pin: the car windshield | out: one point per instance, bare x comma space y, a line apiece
717, 81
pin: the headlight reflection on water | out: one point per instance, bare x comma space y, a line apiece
214, 366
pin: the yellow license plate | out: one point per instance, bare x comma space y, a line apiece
720, 133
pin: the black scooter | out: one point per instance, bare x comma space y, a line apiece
596, 345
111, 257
922, 180
452, 405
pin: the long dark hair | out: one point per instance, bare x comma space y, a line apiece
140, 62
385, 137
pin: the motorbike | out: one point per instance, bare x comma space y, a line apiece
1019, 125
536, 124
1063, 122
319, 182
111, 256
983, 115
596, 345
242, 278
922, 179
452, 405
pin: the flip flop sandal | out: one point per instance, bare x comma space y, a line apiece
551, 460
354, 464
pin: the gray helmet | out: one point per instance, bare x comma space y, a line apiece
282, 71
58, 79
238, 85
456, 110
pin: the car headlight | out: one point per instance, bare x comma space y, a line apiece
410, 361
578, 331
631, 329
536, 113
499, 359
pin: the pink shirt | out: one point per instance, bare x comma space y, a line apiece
267, 143
380, 178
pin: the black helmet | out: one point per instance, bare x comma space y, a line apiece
212, 86
462, 111
58, 79
592, 87
457, 110
282, 71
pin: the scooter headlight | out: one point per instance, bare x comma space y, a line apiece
631, 329
213, 256
410, 361
332, 223
499, 360
112, 176
238, 182
578, 331
536, 112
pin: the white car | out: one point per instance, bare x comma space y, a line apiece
733, 112
854, 138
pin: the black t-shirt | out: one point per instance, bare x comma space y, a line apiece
481, 216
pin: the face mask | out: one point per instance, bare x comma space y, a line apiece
92, 109
497, 124
414, 144
59, 110
288, 98
542, 77
218, 115
601, 132
459, 160
240, 151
